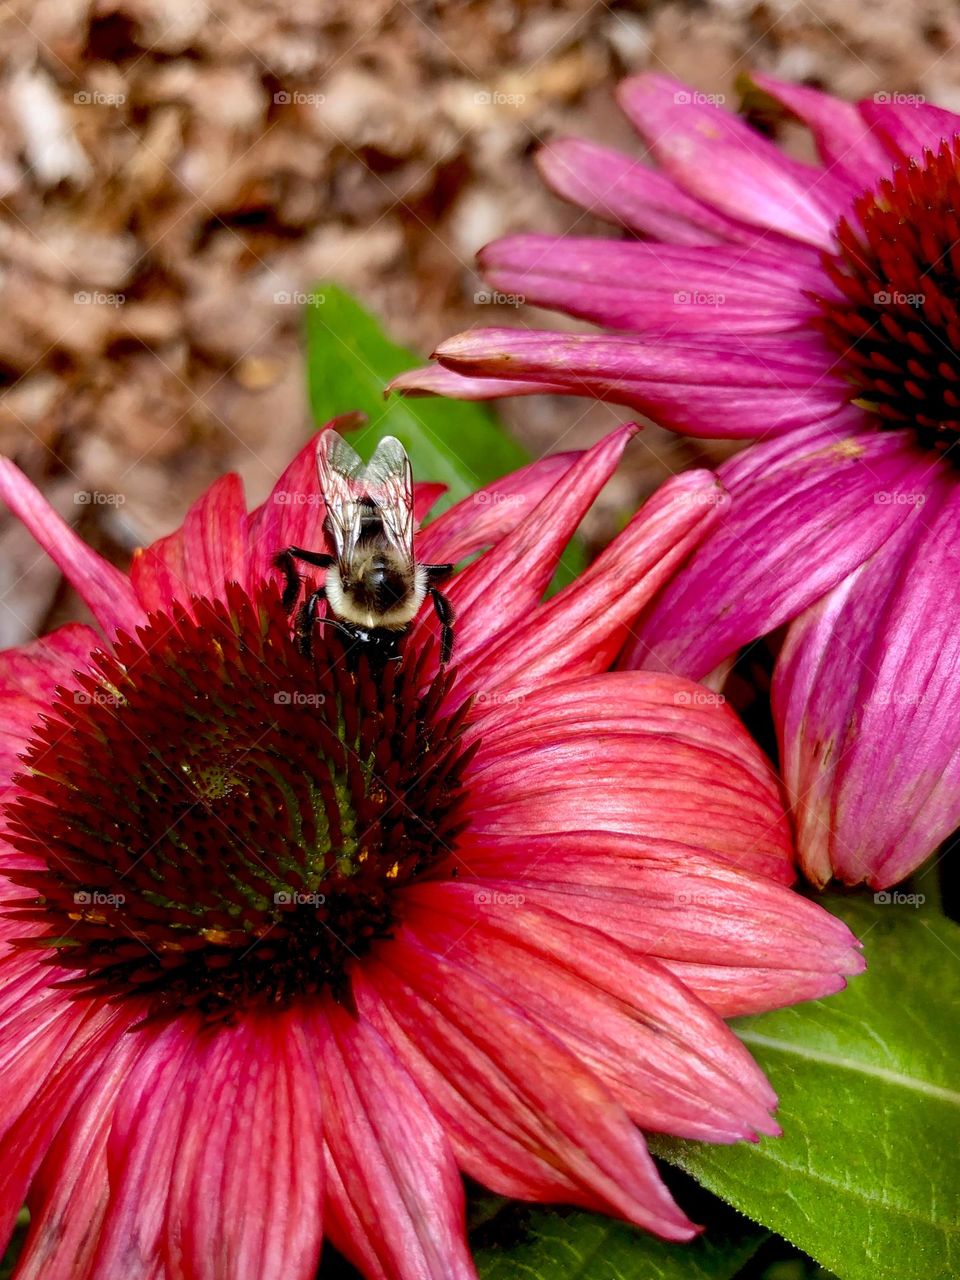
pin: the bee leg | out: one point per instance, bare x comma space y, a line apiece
438, 573
284, 561
319, 558
444, 611
306, 617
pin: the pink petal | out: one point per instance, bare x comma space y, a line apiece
490, 594
908, 129
29, 677
200, 557
628, 192
724, 162
651, 756
246, 1193
657, 288
215, 1155
672, 1063
731, 387
739, 941
845, 143
499, 1057
866, 703
97, 1046
103, 589
582, 628
434, 380
492, 512
804, 511
70, 1195
397, 1197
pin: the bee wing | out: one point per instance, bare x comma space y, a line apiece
388, 482
341, 471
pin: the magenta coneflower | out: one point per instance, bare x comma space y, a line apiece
815, 309
287, 946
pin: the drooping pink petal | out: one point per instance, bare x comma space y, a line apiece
501, 1059
628, 192
71, 1192
865, 699
671, 1062
657, 288
804, 512
397, 1202
200, 557
657, 756
512, 1158
740, 941
97, 1044
103, 589
909, 128
488, 515
723, 161
215, 1155
435, 380
845, 142
583, 627
490, 594
731, 387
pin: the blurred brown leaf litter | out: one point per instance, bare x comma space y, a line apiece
175, 176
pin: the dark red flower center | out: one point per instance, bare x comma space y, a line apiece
896, 321
214, 818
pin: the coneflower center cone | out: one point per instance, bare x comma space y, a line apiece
212, 818
896, 325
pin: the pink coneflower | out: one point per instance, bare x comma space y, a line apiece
814, 308
288, 946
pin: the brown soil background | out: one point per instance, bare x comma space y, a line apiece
168, 168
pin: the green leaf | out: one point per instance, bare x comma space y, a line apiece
349, 362
866, 1175
554, 1245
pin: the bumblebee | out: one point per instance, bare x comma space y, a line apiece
374, 587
